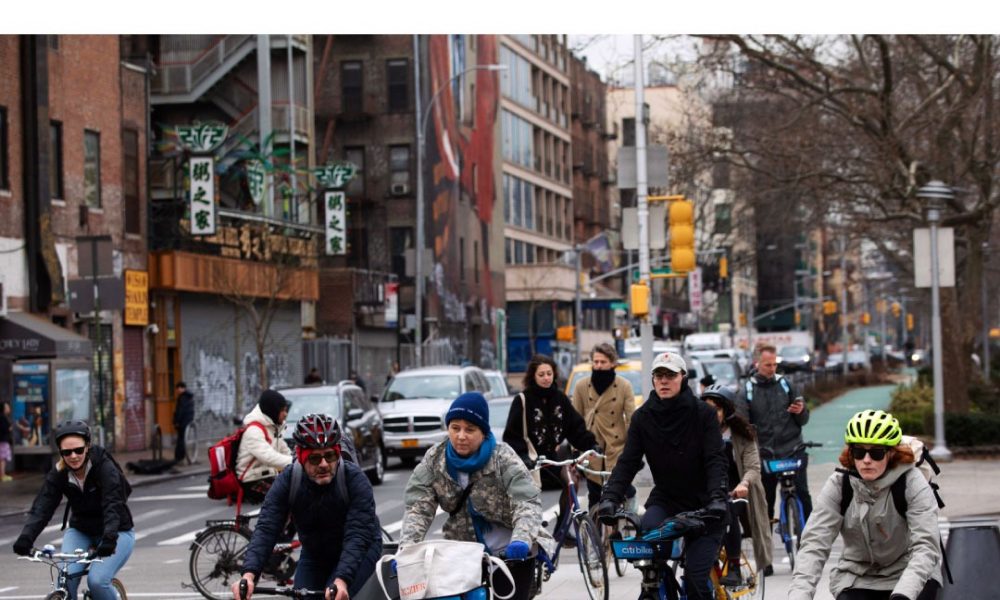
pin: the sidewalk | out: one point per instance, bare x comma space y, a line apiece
16, 496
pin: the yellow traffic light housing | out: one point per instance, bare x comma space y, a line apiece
640, 299
566, 333
896, 309
866, 318
723, 268
743, 319
682, 258
909, 322
829, 307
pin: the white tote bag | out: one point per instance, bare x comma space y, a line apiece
438, 568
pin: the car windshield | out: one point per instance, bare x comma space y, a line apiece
413, 387
793, 351
722, 371
497, 385
307, 404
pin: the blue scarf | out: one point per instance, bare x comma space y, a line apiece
471, 464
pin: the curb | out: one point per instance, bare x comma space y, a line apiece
145, 481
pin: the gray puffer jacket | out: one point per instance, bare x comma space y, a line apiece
882, 550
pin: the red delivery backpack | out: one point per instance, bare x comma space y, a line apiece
223, 483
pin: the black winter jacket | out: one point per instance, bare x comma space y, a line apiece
184, 411
551, 419
777, 429
344, 533
98, 510
681, 440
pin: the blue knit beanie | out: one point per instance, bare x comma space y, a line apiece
471, 407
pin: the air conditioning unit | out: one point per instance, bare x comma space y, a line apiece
399, 189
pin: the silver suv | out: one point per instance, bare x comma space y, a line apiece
414, 404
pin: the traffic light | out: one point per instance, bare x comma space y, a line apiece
866, 318
896, 309
909, 322
880, 306
829, 307
743, 319
566, 333
723, 268
798, 318
640, 299
682, 236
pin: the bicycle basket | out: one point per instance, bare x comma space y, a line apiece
782, 465
632, 549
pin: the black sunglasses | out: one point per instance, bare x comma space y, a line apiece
315, 458
68, 451
876, 453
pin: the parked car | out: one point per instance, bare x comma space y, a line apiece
856, 360
414, 404
794, 358
499, 409
498, 384
725, 370
358, 418
629, 369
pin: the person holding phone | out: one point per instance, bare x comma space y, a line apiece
771, 405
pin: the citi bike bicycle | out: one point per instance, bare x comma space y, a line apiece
59, 564
790, 514
659, 553
589, 547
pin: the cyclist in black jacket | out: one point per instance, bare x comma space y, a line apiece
95, 490
679, 436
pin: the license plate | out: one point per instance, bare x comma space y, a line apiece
411, 443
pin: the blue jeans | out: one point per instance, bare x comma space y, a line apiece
101, 573
316, 573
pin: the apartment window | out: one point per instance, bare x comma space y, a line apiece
507, 250
55, 160
133, 208
356, 156
628, 132
398, 76
92, 169
401, 240
723, 218
399, 169
4, 175
350, 85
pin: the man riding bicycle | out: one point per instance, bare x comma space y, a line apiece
679, 436
96, 490
341, 539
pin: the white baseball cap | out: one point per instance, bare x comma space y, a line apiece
670, 361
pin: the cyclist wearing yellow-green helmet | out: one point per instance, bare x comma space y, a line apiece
887, 555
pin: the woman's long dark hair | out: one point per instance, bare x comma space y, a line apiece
537, 361
736, 423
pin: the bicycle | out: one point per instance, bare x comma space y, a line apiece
658, 553
589, 546
217, 556
289, 591
191, 443
791, 514
59, 564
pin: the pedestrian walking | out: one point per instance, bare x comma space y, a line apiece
183, 416
313, 377
6, 436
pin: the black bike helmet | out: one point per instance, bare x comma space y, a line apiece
317, 431
719, 390
76, 427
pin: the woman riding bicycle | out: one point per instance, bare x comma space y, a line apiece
679, 436
886, 555
486, 489
96, 490
263, 452
744, 482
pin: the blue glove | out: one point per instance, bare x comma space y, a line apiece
393, 566
517, 550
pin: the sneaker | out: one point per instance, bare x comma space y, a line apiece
732, 577
768, 571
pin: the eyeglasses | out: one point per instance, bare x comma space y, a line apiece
315, 458
876, 453
668, 375
66, 452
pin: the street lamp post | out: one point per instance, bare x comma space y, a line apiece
422, 118
935, 193
986, 326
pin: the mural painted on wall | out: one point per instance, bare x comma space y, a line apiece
461, 149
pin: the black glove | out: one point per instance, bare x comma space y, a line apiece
598, 449
717, 508
22, 547
607, 508
107, 547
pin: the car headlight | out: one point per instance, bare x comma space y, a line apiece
915, 357
778, 359
806, 359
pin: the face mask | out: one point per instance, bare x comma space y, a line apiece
602, 380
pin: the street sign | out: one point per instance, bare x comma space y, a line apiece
922, 257
657, 165
202, 173
619, 306
694, 290
657, 227
656, 271
336, 223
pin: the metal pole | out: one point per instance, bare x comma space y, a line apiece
645, 325
578, 305
264, 113
940, 451
986, 327
843, 303
293, 207
98, 337
418, 252
795, 297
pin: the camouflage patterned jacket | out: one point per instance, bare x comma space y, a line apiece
503, 493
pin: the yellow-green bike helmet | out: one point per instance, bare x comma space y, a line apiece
873, 427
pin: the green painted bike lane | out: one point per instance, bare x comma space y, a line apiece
826, 423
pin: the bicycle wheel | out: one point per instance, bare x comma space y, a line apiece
591, 554
191, 444
119, 589
217, 559
751, 570
791, 530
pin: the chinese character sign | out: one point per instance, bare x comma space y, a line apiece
256, 180
202, 196
202, 138
336, 223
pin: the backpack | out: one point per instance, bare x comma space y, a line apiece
927, 467
223, 482
347, 452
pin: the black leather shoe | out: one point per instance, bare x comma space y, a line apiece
768, 571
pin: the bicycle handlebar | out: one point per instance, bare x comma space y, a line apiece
543, 462
80, 556
286, 590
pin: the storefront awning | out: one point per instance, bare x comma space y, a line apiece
24, 335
